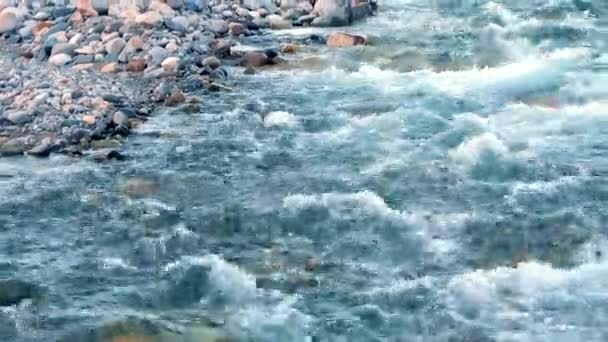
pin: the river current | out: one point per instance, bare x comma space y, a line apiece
448, 182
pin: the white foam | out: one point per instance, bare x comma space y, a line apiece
471, 149
345, 205
234, 283
535, 296
280, 119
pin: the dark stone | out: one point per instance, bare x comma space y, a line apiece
61, 11
13, 291
84, 59
107, 154
116, 99
189, 289
271, 53
250, 25
191, 84
76, 135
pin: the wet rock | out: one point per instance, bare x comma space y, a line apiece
8, 22
107, 154
115, 46
42, 149
150, 19
341, 39
278, 23
179, 24
176, 97
137, 64
288, 48
175, 4
120, 119
14, 291
60, 59
171, 65
211, 62
13, 147
255, 59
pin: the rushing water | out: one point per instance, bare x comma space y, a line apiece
447, 183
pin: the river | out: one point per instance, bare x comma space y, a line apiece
448, 182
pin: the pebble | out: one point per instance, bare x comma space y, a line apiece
60, 59
110, 68
170, 64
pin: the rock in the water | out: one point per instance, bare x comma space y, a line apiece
157, 55
288, 48
216, 26
170, 64
255, 59
8, 22
175, 98
115, 46
12, 147
13, 291
42, 149
137, 64
150, 18
341, 39
60, 59
278, 23
107, 154
212, 62
179, 24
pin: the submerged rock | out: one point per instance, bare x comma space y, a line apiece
341, 39
14, 291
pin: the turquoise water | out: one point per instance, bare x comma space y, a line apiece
446, 183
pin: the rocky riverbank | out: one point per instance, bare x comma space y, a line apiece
75, 79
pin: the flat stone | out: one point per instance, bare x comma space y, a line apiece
66, 48
342, 39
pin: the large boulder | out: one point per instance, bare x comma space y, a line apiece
257, 4
332, 13
150, 18
8, 22
162, 8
